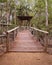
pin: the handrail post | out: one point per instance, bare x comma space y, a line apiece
16, 32
7, 44
46, 42
33, 31
13, 35
36, 35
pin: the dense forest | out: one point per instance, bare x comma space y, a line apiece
41, 10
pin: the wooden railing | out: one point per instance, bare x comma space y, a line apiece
42, 36
2, 44
6, 39
11, 34
39, 30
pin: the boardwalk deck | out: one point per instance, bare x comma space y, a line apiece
26, 42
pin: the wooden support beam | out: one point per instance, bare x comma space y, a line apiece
46, 42
7, 44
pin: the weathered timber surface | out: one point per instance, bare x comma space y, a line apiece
26, 42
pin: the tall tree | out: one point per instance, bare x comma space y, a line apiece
46, 10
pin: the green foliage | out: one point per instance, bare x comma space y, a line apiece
35, 8
1, 31
38, 10
12, 26
39, 15
12, 4
3, 0
25, 8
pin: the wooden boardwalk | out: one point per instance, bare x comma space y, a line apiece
26, 42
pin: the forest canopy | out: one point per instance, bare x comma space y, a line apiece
41, 10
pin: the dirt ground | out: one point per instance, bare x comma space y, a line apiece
13, 58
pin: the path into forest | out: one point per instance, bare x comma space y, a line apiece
26, 42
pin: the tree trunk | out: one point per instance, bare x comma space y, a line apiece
46, 10
15, 16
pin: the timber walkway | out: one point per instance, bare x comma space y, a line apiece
25, 39
26, 42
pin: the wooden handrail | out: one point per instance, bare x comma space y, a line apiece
46, 41
8, 36
2, 36
39, 30
12, 30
